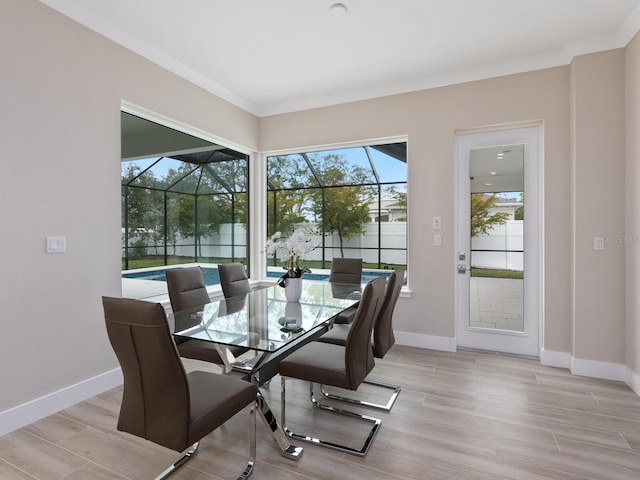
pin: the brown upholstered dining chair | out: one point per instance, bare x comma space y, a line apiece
233, 279
383, 340
187, 294
339, 366
343, 271
160, 401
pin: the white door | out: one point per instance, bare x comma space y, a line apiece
498, 254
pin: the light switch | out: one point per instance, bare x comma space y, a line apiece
437, 223
437, 240
56, 244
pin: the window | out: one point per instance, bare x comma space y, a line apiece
353, 199
189, 205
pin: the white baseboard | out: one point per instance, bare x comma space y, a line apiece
555, 359
590, 368
633, 380
596, 369
447, 344
39, 408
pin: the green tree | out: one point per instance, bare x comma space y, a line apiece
286, 205
401, 201
173, 220
142, 212
285, 210
343, 204
519, 213
182, 186
482, 220
228, 184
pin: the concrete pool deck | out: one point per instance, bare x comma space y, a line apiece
146, 289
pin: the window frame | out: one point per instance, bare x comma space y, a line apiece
165, 121
267, 262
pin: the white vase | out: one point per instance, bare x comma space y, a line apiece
292, 315
293, 289
293, 310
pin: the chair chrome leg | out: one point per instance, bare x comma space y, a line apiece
396, 391
190, 453
194, 450
252, 444
362, 451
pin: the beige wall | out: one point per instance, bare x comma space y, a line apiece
431, 118
60, 97
598, 157
62, 88
632, 204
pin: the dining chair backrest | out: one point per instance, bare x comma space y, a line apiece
346, 270
155, 398
233, 279
186, 288
383, 338
358, 354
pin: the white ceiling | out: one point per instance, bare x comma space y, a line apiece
276, 56
497, 169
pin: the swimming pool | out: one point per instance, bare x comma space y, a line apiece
211, 275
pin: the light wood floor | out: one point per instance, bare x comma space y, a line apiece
463, 415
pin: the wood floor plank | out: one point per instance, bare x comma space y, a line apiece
463, 415
55, 428
569, 462
9, 472
91, 471
108, 449
38, 457
632, 438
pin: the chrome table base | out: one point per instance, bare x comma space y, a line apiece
250, 368
286, 449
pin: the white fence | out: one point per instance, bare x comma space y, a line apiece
502, 240
393, 244
392, 236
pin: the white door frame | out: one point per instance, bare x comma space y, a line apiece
527, 342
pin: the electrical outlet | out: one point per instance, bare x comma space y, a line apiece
598, 243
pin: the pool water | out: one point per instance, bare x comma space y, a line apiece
211, 275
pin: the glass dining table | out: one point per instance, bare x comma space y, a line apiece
267, 328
